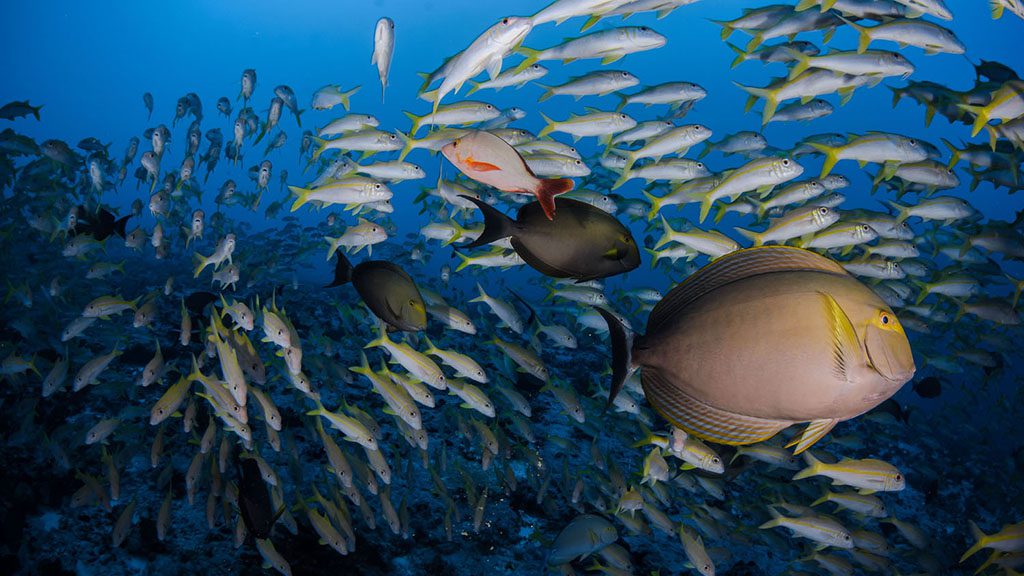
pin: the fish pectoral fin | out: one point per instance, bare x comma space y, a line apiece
701, 419
815, 431
613, 254
481, 166
494, 67
844, 337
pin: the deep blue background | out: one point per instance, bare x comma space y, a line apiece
89, 66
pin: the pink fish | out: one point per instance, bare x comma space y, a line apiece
490, 160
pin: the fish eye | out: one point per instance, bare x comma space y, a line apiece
376, 186
715, 460
643, 28
700, 165
846, 537
823, 210
899, 477
489, 107
622, 116
536, 66
913, 142
785, 162
625, 74
504, 20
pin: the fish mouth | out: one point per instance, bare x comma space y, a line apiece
890, 356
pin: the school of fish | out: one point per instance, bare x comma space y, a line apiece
166, 345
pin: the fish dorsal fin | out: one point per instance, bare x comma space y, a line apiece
737, 266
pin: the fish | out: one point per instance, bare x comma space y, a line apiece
586, 534
775, 394
389, 292
383, 51
485, 53
582, 242
868, 475
490, 160
18, 109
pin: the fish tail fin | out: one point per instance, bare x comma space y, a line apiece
342, 271
407, 147
727, 28
980, 117
333, 242
996, 6
549, 128
902, 212
741, 56
705, 206
757, 238
303, 197
380, 340
529, 58
120, 225
981, 540
426, 81
466, 261
720, 212
482, 296
345, 98
655, 256
667, 234
547, 191
496, 224
415, 122
822, 499
320, 142
263, 132
655, 204
775, 521
771, 102
954, 153
813, 467
755, 42
627, 171
805, 4
298, 116
802, 62
864, 36
622, 351
201, 262
35, 112
831, 157
548, 93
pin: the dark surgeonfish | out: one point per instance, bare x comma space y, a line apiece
581, 242
254, 503
761, 339
101, 225
387, 290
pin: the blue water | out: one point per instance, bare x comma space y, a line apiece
88, 65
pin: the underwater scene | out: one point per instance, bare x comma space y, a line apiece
571, 287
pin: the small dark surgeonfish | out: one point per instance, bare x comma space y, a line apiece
581, 242
254, 502
387, 290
